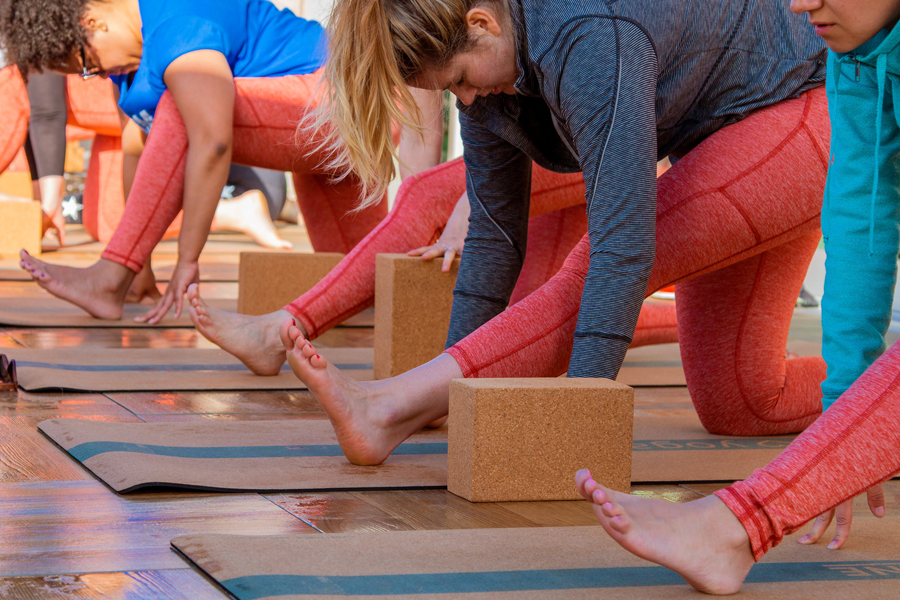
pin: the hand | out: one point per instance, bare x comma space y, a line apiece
184, 275
449, 248
844, 514
453, 238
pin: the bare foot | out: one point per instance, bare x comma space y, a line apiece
143, 286
255, 341
369, 418
249, 214
99, 289
701, 540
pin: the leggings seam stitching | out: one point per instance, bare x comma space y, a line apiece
830, 447
772, 153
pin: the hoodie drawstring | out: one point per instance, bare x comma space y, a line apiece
881, 72
834, 78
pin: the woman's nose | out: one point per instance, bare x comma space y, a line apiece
802, 6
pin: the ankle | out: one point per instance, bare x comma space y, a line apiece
112, 276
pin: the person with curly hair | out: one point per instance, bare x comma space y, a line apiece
220, 81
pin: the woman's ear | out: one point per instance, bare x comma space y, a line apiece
93, 23
482, 20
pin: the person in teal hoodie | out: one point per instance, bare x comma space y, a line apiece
861, 208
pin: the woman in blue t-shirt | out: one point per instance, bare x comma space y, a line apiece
219, 81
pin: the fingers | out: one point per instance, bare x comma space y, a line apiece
449, 255
156, 313
876, 500
447, 250
179, 300
844, 519
819, 527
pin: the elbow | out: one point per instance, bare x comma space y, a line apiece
213, 148
222, 148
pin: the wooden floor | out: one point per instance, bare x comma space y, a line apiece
63, 534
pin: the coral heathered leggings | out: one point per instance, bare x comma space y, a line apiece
266, 113
14, 113
853, 446
737, 225
421, 209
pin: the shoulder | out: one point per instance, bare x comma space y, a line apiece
553, 28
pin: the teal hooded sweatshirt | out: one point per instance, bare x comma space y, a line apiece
861, 208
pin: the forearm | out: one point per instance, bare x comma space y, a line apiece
132, 147
206, 173
421, 150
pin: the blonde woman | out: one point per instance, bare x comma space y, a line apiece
602, 88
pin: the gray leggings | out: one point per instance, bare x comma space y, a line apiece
45, 145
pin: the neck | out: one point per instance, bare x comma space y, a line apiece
126, 14
131, 14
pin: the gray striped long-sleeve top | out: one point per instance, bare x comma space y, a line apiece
606, 88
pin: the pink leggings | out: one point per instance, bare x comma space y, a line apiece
737, 224
421, 210
14, 113
853, 446
266, 113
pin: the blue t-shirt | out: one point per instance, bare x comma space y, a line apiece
257, 39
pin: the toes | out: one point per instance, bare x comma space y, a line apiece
611, 509
284, 332
193, 292
581, 479
296, 337
308, 351
317, 361
598, 496
620, 524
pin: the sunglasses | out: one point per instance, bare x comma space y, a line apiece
85, 72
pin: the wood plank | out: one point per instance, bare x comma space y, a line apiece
81, 527
7, 341
195, 418
48, 406
65, 337
30, 289
438, 509
195, 403
572, 513
338, 512
27, 455
171, 584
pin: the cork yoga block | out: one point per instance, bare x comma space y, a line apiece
20, 227
413, 299
524, 439
267, 281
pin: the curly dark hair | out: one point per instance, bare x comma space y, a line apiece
41, 34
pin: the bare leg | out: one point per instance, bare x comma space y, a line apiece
372, 418
701, 540
255, 340
99, 289
248, 213
143, 286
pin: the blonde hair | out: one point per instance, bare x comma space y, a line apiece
375, 47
